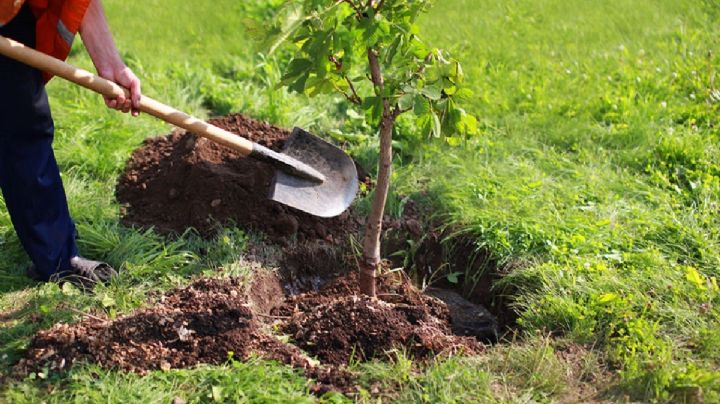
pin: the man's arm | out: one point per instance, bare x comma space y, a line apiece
99, 43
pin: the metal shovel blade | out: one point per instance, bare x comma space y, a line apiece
327, 199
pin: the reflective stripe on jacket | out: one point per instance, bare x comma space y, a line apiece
57, 22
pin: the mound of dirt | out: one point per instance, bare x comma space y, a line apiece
206, 322
180, 181
198, 324
212, 318
337, 324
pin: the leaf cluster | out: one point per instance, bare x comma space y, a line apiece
334, 44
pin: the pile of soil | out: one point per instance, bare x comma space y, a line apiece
201, 323
205, 321
180, 181
338, 324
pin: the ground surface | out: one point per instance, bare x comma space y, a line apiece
588, 202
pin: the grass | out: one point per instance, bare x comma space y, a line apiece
595, 179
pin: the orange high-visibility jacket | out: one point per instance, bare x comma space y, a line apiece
57, 23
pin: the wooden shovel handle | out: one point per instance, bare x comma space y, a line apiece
31, 57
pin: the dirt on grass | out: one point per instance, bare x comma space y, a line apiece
213, 320
180, 181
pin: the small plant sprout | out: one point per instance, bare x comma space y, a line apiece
370, 52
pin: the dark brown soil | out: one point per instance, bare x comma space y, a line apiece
180, 181
338, 324
207, 322
211, 318
197, 324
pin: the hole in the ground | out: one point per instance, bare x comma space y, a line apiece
475, 308
455, 270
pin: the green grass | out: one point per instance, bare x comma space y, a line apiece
595, 178
597, 170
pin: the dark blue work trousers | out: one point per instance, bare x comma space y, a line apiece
29, 175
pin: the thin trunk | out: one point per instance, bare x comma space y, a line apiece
371, 243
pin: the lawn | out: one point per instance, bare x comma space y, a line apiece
593, 185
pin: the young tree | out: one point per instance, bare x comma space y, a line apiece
370, 51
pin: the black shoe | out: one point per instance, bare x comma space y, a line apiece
83, 272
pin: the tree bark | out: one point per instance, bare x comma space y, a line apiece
371, 242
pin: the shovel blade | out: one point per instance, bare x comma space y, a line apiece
327, 199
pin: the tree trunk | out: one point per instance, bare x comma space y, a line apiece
371, 243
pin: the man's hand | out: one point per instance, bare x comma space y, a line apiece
126, 78
98, 40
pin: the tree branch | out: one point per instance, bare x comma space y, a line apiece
354, 7
350, 97
397, 111
355, 95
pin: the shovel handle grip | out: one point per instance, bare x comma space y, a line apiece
31, 57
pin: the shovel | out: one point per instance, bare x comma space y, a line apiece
312, 175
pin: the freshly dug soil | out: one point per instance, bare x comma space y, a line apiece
197, 324
204, 322
337, 324
180, 181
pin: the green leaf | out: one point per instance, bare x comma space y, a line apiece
392, 50
694, 277
297, 67
418, 49
463, 94
107, 301
68, 289
437, 125
454, 141
299, 85
406, 101
373, 108
217, 393
421, 106
425, 123
433, 91
459, 75
453, 277
468, 124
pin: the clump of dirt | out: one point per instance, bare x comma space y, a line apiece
180, 181
338, 324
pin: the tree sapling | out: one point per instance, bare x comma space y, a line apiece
370, 51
